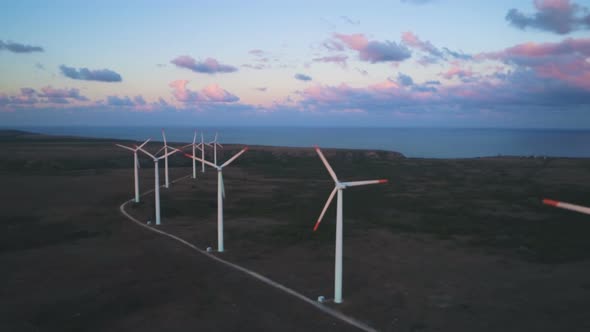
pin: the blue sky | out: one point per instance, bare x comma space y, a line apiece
311, 63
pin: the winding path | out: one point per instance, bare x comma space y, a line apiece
327, 310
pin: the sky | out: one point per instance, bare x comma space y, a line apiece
407, 63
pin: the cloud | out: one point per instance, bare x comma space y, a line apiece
257, 52
374, 51
520, 90
209, 66
333, 45
139, 100
302, 77
61, 96
85, 74
458, 72
559, 16
256, 66
118, 101
434, 54
410, 39
337, 59
210, 94
565, 61
349, 20
404, 80
19, 48
261, 89
29, 97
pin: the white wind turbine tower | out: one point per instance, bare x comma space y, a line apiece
567, 206
220, 193
339, 187
214, 144
135, 165
196, 146
157, 178
165, 148
202, 153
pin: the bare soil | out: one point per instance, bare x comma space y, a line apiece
446, 245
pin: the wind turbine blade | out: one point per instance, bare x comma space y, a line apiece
219, 145
362, 183
567, 206
330, 170
162, 148
325, 208
215, 140
172, 151
144, 143
234, 157
125, 147
201, 160
195, 137
164, 136
185, 146
149, 154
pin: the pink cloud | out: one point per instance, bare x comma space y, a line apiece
210, 94
456, 71
374, 51
356, 41
410, 39
565, 60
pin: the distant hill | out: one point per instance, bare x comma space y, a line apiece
13, 133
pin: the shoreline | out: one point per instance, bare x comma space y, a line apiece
20, 134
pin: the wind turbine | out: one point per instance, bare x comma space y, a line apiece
157, 178
220, 192
202, 154
339, 187
165, 148
567, 206
135, 165
196, 146
215, 144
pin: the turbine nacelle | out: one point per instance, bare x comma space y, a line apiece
338, 185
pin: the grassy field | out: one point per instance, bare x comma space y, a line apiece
447, 244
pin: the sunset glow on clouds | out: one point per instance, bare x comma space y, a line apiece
388, 65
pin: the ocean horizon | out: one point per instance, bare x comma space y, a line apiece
412, 142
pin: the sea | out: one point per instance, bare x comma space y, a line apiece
412, 142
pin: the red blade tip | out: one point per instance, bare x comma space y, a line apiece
550, 202
383, 181
246, 148
317, 224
